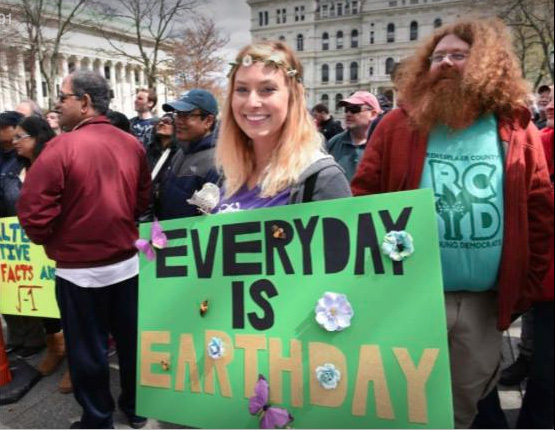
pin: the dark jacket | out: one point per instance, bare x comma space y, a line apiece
330, 128
323, 180
394, 161
10, 189
190, 167
9, 161
83, 194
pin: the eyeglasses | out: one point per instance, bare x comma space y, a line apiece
354, 109
19, 137
186, 115
62, 97
166, 121
454, 57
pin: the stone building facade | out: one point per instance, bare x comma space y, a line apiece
352, 45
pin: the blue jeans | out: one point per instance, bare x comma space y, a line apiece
537, 405
89, 315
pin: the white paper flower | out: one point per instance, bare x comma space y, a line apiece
215, 348
334, 312
247, 61
328, 376
292, 73
398, 245
207, 198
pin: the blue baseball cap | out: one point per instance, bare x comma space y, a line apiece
194, 99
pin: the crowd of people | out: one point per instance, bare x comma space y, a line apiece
82, 177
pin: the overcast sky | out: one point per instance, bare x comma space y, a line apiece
233, 17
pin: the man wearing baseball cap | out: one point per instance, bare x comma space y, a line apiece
8, 156
361, 109
177, 177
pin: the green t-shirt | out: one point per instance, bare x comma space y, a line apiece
466, 171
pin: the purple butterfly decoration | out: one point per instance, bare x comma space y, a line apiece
271, 417
158, 240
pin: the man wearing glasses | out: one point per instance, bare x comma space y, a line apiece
361, 109
192, 164
80, 200
464, 133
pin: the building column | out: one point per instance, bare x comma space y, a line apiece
5, 84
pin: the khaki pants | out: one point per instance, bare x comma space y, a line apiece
474, 350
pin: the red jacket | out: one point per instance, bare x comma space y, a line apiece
82, 195
394, 161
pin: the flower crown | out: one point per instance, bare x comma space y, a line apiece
273, 60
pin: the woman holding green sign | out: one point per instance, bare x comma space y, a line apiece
26, 334
269, 149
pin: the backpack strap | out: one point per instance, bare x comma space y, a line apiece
309, 186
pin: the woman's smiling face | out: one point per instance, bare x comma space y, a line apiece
260, 102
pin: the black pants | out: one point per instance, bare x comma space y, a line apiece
89, 315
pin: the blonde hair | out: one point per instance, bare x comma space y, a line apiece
299, 141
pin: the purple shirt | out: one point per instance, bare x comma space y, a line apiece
246, 199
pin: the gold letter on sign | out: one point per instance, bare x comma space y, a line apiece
320, 354
417, 377
370, 369
187, 356
220, 365
251, 344
149, 357
278, 365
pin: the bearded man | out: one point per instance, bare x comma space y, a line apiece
465, 132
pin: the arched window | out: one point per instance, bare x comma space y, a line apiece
354, 38
339, 72
325, 73
325, 99
300, 42
390, 33
338, 99
372, 37
414, 30
339, 9
371, 71
354, 71
438, 23
282, 38
325, 41
389, 65
339, 40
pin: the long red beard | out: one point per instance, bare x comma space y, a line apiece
442, 98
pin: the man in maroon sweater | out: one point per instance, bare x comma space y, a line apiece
80, 200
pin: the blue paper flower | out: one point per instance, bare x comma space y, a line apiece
215, 348
398, 245
334, 312
328, 376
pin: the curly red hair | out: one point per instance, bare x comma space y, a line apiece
492, 78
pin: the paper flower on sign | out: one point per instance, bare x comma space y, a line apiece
215, 348
259, 404
158, 240
292, 73
334, 312
206, 199
328, 376
398, 245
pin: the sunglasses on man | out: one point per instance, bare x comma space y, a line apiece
354, 109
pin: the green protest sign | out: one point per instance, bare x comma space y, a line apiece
234, 296
26, 274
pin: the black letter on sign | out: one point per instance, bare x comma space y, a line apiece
337, 245
164, 271
259, 287
399, 225
238, 300
231, 248
367, 239
305, 235
278, 243
205, 266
